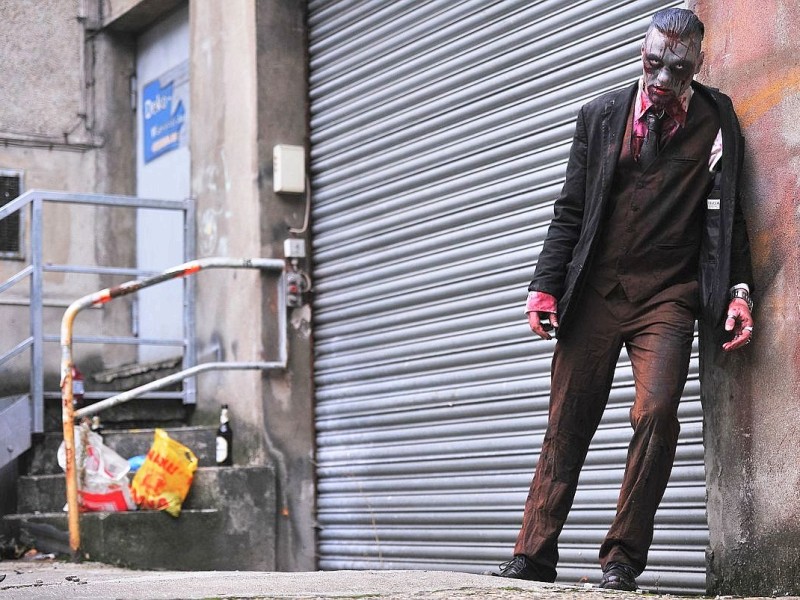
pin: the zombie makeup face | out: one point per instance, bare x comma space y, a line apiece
669, 63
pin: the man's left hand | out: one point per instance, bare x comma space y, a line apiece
740, 322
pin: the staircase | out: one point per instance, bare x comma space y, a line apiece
227, 521
229, 518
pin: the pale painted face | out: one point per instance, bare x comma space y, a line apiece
669, 64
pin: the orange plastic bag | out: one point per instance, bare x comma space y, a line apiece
163, 481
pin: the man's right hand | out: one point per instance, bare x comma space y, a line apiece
542, 323
541, 310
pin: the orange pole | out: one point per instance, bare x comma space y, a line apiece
68, 426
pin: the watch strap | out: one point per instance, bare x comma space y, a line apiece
742, 294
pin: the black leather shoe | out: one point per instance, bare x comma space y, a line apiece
520, 567
619, 576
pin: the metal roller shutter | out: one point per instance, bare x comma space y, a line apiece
440, 133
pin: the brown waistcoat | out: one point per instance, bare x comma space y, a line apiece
653, 223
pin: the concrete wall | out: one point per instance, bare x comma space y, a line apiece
224, 182
67, 125
248, 92
288, 397
135, 15
751, 400
45, 96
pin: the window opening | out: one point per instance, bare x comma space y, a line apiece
11, 226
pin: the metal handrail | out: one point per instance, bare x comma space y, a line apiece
68, 412
34, 271
92, 199
17, 350
15, 279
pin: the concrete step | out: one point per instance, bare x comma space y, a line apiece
210, 488
141, 412
198, 540
42, 458
238, 533
159, 409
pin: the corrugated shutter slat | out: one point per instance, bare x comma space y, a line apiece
439, 137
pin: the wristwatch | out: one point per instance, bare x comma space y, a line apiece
742, 294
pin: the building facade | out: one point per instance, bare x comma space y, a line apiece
406, 427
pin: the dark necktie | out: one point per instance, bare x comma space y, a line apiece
649, 149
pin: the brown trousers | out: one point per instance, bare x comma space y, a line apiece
658, 336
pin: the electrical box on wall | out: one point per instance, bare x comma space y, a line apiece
289, 169
294, 248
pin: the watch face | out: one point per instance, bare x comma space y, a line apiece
743, 295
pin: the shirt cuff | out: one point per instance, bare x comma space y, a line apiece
541, 302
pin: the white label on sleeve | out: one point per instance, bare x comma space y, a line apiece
713, 204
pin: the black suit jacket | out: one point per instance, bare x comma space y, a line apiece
574, 231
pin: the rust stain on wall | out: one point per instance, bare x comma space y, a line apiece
755, 106
749, 54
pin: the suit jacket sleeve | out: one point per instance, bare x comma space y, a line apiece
741, 263
565, 228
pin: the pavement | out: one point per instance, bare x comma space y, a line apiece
42, 579
68, 581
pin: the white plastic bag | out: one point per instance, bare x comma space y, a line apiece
103, 483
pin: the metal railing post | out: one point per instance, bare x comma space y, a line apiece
189, 303
37, 316
283, 322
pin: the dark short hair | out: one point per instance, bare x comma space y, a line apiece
678, 22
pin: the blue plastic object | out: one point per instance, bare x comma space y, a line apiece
136, 462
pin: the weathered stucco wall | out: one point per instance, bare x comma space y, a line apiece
752, 401
224, 174
288, 397
135, 15
45, 96
66, 124
248, 94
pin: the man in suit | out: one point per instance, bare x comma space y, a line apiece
636, 251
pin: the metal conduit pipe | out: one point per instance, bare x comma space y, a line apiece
69, 414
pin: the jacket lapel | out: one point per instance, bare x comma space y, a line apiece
614, 119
